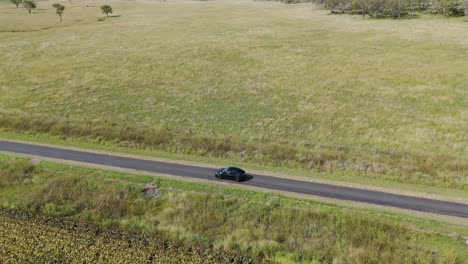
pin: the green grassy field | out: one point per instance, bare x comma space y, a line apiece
221, 218
257, 82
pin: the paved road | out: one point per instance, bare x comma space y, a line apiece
263, 181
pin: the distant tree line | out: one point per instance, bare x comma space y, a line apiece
396, 8
391, 8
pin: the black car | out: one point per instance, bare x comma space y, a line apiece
230, 173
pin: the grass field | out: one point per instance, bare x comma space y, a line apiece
222, 218
258, 82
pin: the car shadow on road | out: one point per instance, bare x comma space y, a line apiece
247, 177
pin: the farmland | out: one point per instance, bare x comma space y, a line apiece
253, 82
36, 238
223, 219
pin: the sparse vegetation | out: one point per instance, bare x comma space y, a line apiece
256, 224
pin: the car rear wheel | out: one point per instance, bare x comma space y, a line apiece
238, 178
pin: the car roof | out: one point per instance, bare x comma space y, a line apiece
234, 168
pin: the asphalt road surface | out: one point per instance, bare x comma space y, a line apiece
263, 181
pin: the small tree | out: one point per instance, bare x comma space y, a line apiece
30, 5
106, 9
59, 10
16, 2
